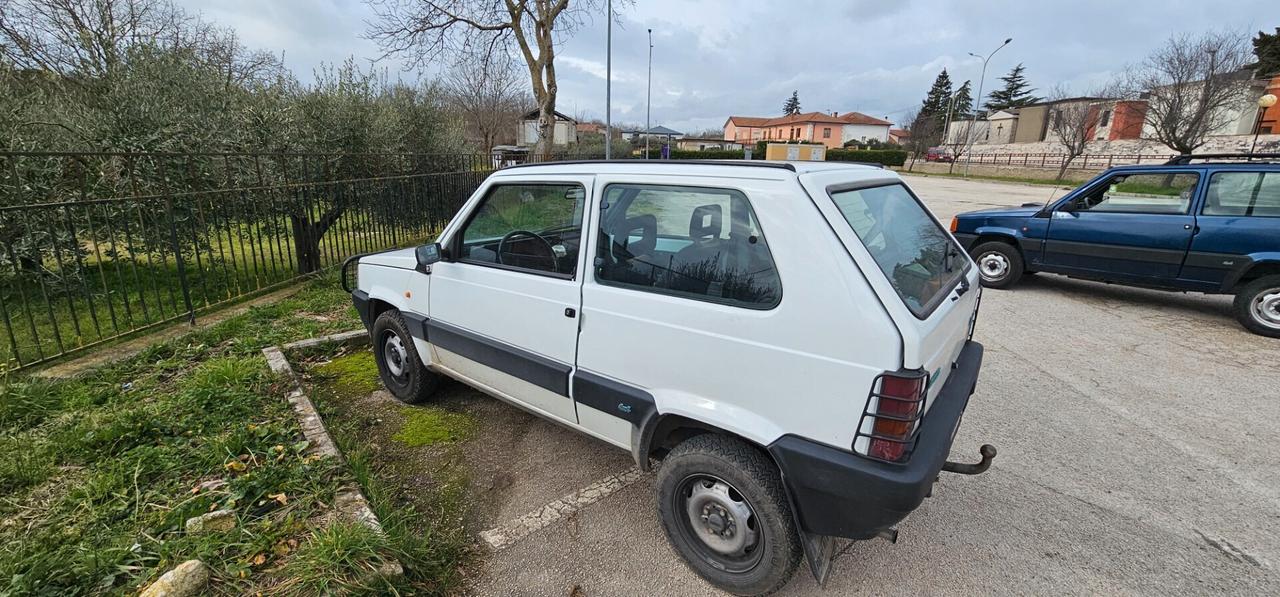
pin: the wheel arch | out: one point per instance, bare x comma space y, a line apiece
1258, 267
658, 433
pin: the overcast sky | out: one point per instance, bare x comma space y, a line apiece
715, 58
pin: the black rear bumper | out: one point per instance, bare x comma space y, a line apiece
842, 494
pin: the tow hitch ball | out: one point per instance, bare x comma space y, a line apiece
988, 452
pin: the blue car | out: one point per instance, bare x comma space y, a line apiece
1203, 223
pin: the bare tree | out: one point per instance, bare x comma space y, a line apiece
925, 131
1194, 86
490, 100
1073, 123
423, 30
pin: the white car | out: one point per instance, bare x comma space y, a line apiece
792, 341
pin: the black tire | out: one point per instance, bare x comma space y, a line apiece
742, 475
1257, 306
399, 366
1000, 264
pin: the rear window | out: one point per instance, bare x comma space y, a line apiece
1249, 194
915, 253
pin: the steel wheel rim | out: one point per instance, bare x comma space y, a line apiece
993, 266
395, 356
720, 523
1266, 308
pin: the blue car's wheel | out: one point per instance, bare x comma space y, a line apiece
1257, 306
999, 264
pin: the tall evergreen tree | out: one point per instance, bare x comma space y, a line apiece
1267, 48
935, 103
792, 105
1017, 92
963, 101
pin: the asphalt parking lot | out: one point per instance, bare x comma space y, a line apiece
1138, 433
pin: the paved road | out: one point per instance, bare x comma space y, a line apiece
1138, 434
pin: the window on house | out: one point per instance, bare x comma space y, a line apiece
826, 133
1106, 118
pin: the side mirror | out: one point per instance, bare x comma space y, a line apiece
427, 255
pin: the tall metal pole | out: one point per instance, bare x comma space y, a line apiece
648, 99
981, 81
608, 84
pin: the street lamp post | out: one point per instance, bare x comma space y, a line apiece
981, 80
1264, 102
608, 82
648, 97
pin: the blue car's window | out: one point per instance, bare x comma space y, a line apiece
1155, 193
918, 257
1254, 194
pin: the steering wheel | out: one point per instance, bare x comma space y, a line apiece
550, 255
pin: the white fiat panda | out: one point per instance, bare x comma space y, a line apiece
791, 341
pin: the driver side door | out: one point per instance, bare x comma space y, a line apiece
1131, 227
504, 306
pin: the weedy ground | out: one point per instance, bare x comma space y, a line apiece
100, 473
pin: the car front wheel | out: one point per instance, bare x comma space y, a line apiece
999, 264
726, 513
399, 366
1257, 306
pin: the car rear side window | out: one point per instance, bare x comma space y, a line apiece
692, 242
1249, 194
919, 258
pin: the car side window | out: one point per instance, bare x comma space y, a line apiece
693, 242
534, 227
1155, 193
1250, 194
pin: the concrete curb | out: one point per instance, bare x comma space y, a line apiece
349, 501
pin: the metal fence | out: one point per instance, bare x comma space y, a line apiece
95, 246
1055, 160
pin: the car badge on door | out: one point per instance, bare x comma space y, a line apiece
626, 408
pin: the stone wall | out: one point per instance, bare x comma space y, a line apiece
1221, 144
1016, 171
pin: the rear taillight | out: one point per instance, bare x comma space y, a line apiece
955, 223
895, 410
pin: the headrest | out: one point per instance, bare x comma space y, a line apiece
705, 222
624, 247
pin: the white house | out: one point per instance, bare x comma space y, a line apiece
564, 133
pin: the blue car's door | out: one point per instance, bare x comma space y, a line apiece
1127, 227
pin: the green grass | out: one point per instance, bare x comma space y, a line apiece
115, 294
1048, 180
99, 473
422, 521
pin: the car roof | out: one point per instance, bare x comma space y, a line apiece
768, 169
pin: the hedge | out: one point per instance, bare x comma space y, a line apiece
690, 154
884, 157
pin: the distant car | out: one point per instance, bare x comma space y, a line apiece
939, 154
1206, 223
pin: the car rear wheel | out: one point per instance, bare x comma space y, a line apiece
399, 366
726, 513
1257, 306
999, 264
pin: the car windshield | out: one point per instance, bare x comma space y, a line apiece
918, 257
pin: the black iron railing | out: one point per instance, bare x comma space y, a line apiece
96, 246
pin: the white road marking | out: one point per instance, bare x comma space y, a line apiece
508, 534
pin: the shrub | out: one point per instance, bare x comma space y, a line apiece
706, 154
884, 157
